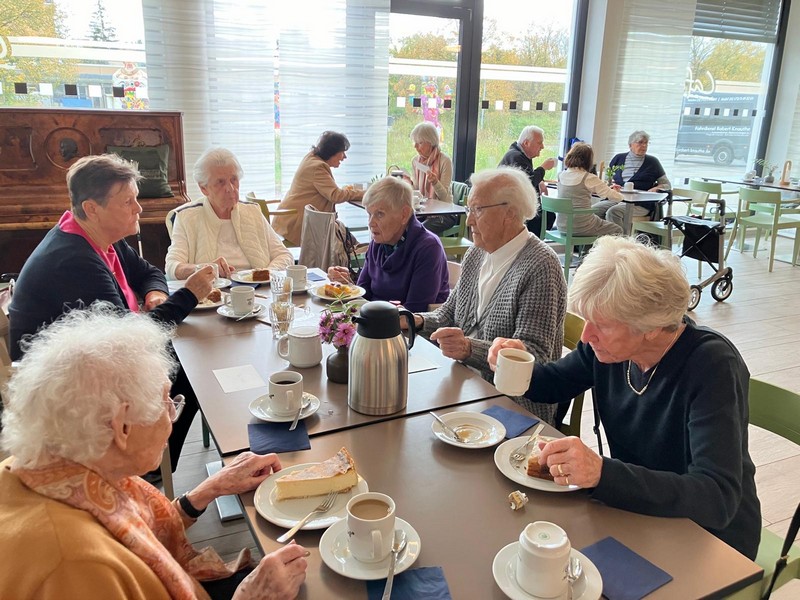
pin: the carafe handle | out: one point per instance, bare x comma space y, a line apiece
412, 328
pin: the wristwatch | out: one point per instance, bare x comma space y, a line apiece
187, 507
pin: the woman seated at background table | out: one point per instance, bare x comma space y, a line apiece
404, 261
578, 184
313, 184
431, 174
672, 397
511, 283
220, 228
88, 411
643, 170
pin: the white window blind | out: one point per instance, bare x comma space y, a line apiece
753, 20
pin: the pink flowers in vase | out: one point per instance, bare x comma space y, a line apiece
336, 325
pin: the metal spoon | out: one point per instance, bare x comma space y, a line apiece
574, 572
447, 428
398, 546
303, 405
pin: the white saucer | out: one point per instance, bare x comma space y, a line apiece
286, 513
227, 311
260, 409
335, 553
518, 473
203, 305
356, 291
484, 431
588, 587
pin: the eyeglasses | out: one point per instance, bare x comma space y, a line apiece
175, 406
478, 210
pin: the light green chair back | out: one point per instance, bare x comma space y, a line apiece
767, 218
564, 206
454, 239
573, 328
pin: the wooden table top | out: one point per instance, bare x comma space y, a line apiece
456, 500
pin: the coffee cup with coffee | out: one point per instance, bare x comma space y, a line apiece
370, 526
543, 560
241, 300
514, 371
301, 346
298, 274
285, 392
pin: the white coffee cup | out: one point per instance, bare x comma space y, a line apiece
514, 370
629, 186
301, 347
214, 267
285, 392
417, 199
298, 275
370, 526
543, 560
241, 299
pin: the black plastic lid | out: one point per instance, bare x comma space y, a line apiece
378, 320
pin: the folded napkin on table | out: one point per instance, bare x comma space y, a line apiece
514, 422
626, 575
276, 437
425, 582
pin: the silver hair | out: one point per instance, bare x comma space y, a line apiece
638, 136
528, 132
75, 376
629, 282
392, 190
509, 184
211, 158
425, 132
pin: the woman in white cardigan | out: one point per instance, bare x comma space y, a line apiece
221, 229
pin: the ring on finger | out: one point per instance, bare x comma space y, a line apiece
566, 479
560, 471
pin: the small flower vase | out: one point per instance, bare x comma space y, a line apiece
337, 365
769, 178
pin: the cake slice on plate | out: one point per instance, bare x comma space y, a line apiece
534, 468
338, 474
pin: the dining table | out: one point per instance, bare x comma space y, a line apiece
631, 197
453, 502
758, 183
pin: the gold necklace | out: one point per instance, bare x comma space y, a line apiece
649, 379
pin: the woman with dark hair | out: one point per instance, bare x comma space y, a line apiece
578, 185
313, 184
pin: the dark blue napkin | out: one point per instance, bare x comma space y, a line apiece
425, 582
276, 437
626, 575
514, 422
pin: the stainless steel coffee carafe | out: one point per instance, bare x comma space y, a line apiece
378, 375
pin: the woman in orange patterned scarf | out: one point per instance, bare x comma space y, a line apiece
431, 174
88, 412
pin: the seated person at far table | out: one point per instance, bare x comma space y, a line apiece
88, 412
220, 228
643, 170
510, 282
672, 397
85, 258
431, 174
404, 261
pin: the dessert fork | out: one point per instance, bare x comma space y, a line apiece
323, 507
520, 453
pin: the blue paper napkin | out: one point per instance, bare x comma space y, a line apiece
276, 437
514, 422
425, 582
626, 575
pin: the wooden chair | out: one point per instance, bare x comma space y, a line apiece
769, 218
573, 328
455, 240
265, 207
563, 206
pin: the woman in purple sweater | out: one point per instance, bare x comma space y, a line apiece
405, 262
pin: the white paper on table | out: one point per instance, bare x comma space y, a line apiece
419, 363
422, 167
236, 379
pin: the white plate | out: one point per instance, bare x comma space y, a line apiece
318, 293
589, 585
175, 284
266, 414
246, 276
335, 553
286, 513
484, 431
204, 305
227, 311
518, 473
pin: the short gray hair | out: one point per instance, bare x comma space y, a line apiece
211, 158
638, 136
630, 282
93, 178
75, 376
528, 132
425, 132
512, 185
392, 190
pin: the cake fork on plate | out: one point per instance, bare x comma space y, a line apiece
323, 507
520, 453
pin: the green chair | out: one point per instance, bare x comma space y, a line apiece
716, 192
573, 328
768, 218
455, 240
564, 206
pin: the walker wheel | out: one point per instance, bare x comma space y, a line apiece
694, 296
722, 289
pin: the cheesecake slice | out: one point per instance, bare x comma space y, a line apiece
335, 474
534, 468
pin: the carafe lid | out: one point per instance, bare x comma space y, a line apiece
378, 320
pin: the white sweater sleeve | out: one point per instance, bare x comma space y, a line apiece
598, 187
178, 251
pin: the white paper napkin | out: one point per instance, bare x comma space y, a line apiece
236, 379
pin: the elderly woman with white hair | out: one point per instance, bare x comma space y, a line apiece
88, 412
511, 283
431, 174
220, 228
404, 261
672, 397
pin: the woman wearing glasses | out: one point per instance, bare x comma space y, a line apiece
88, 412
510, 282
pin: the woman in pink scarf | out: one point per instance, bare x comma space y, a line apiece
431, 174
88, 412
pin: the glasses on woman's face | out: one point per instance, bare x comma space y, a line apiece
175, 407
478, 210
